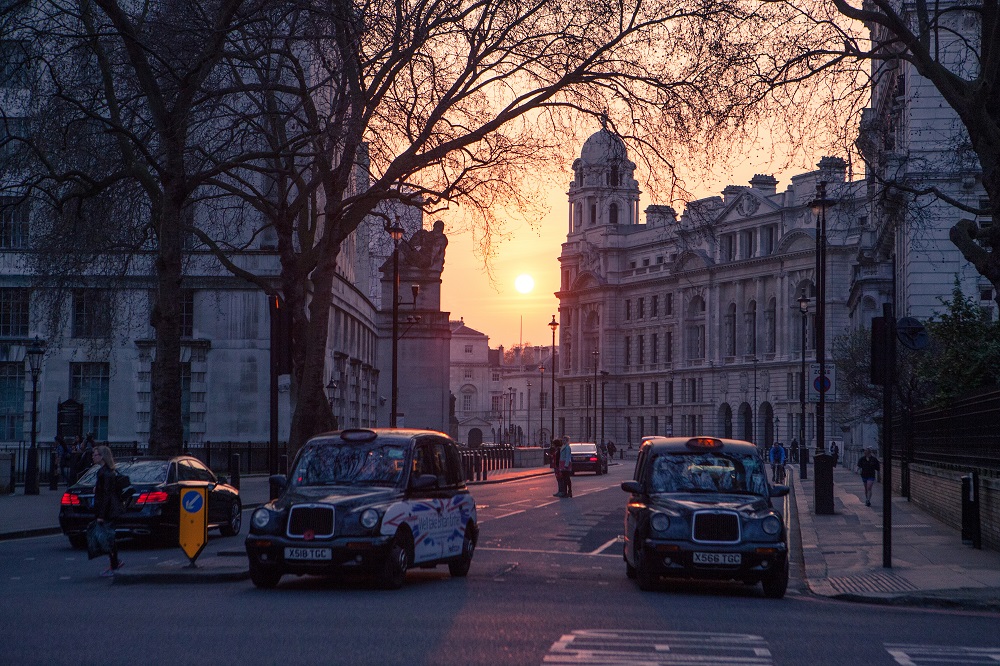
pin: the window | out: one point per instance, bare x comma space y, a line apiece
641, 308
727, 247
750, 319
670, 392
642, 393
669, 346
593, 214
11, 401
496, 375
187, 313
13, 223
642, 349
628, 351
468, 373
543, 399
668, 306
654, 346
613, 214
770, 327
628, 394
185, 399
769, 239
614, 177
91, 313
11, 130
729, 334
468, 349
13, 312
748, 244
14, 63
496, 403
628, 309
89, 385
562, 396
654, 306
655, 388
467, 402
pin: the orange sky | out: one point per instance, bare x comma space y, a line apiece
506, 315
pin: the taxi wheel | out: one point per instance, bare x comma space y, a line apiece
264, 578
394, 567
776, 584
630, 571
460, 568
644, 575
235, 522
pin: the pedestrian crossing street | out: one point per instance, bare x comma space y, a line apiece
596, 647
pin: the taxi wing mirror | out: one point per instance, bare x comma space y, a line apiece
633, 487
424, 482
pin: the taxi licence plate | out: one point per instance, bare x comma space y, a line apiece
308, 554
717, 558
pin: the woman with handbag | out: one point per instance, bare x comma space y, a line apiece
107, 505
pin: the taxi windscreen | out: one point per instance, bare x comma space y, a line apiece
334, 462
703, 472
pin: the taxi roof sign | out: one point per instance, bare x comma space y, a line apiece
704, 443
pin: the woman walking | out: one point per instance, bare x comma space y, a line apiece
871, 471
107, 505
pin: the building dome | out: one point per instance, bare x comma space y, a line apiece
603, 147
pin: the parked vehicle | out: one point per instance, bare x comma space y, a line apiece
589, 457
700, 507
377, 501
154, 512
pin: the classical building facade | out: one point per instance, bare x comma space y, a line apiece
692, 325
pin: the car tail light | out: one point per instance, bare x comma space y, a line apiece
593, 458
154, 497
70, 499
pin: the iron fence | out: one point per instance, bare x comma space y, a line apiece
962, 435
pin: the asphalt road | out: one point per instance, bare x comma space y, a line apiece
547, 586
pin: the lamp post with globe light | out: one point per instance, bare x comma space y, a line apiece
803, 450
395, 231
34, 353
823, 482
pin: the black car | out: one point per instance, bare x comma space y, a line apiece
588, 457
376, 501
701, 508
154, 512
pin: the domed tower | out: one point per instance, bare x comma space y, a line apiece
604, 190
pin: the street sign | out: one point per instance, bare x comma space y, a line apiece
828, 385
193, 521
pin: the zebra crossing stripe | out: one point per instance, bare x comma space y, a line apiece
658, 648
914, 655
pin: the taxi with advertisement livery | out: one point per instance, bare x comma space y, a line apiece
373, 500
700, 508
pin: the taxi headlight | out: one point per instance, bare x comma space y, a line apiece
660, 522
771, 525
260, 518
369, 518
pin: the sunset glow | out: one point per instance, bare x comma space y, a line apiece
524, 283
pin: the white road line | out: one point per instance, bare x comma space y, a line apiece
506, 515
604, 547
547, 552
658, 648
913, 655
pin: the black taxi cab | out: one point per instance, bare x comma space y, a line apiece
372, 500
701, 508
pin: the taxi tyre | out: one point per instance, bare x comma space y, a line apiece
396, 563
776, 584
235, 522
645, 577
460, 567
263, 578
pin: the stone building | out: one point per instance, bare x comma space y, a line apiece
692, 325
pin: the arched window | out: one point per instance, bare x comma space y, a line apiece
613, 214
614, 177
578, 218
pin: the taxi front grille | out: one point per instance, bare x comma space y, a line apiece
310, 521
716, 527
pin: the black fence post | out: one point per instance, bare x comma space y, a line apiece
234, 470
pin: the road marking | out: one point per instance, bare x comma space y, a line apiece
547, 552
913, 655
656, 648
506, 515
604, 547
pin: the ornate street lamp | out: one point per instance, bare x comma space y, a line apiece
331, 392
510, 417
552, 421
34, 354
541, 405
395, 231
823, 483
803, 451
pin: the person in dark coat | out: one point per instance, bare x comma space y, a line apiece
107, 505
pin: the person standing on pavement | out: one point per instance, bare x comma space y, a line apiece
871, 471
566, 468
554, 449
64, 458
835, 453
107, 505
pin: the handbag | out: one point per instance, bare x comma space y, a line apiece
100, 539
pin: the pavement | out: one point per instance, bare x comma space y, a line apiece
842, 553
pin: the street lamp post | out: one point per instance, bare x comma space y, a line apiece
552, 415
510, 412
331, 392
596, 354
823, 483
803, 451
34, 354
753, 412
541, 405
527, 416
604, 386
396, 232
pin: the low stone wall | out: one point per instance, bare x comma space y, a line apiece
529, 457
938, 491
